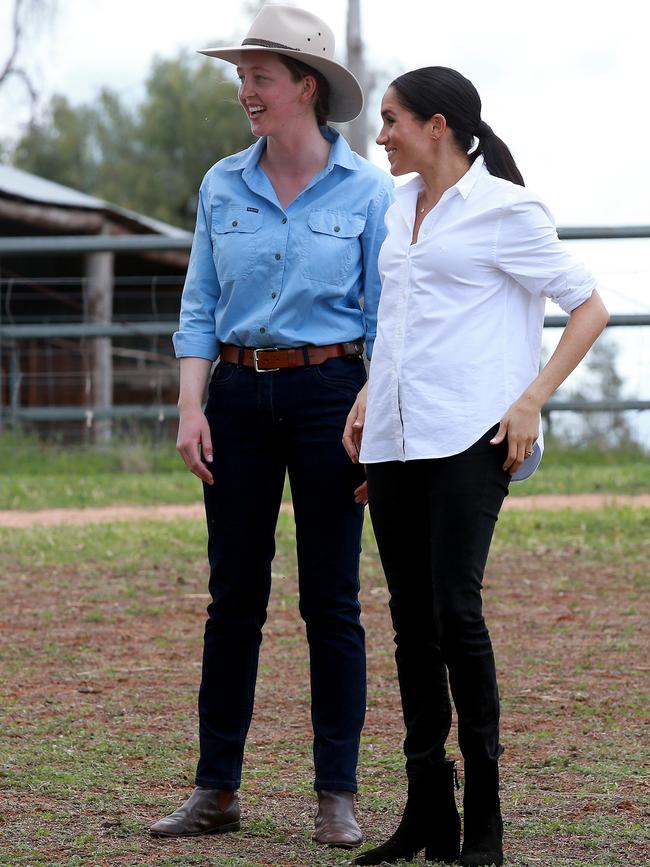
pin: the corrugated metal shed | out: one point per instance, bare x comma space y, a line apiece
20, 186
45, 374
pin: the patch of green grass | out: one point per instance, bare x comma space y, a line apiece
99, 489
265, 826
134, 470
592, 456
554, 478
24, 454
181, 860
604, 534
122, 548
588, 469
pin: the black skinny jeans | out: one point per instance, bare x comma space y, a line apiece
434, 520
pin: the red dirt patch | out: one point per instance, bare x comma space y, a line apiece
23, 518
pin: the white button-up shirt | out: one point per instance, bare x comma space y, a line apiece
461, 315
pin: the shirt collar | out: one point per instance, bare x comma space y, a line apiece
340, 154
464, 186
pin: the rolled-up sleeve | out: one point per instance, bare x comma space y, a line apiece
196, 334
529, 250
372, 238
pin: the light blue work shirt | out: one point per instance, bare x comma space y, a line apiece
261, 275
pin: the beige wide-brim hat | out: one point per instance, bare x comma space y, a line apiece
301, 35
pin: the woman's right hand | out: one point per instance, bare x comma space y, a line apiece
353, 430
194, 441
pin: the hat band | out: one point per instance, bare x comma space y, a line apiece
264, 43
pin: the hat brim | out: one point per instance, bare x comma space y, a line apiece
346, 96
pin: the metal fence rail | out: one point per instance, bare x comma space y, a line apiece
12, 334
74, 244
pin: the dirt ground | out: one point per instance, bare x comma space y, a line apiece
100, 716
51, 517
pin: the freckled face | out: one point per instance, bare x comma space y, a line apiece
405, 137
267, 92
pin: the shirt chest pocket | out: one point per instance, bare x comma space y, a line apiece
331, 248
235, 241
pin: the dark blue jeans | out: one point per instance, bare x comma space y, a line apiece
434, 520
264, 424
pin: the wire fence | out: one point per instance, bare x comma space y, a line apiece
68, 372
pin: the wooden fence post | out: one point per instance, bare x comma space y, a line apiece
98, 307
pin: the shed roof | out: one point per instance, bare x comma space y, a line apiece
18, 184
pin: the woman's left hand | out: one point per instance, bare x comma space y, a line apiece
520, 425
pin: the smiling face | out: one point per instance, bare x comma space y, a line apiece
268, 93
406, 138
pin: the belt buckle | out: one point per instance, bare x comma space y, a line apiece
256, 360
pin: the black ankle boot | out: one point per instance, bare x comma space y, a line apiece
483, 837
430, 821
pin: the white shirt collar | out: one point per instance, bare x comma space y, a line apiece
464, 185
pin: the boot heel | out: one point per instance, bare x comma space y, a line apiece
483, 843
232, 826
430, 822
449, 856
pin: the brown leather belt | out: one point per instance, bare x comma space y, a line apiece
266, 360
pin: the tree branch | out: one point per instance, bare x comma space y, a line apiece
22, 10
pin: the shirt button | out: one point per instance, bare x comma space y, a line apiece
235, 222
337, 228
273, 294
262, 330
278, 256
284, 219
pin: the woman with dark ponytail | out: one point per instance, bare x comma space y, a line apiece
453, 415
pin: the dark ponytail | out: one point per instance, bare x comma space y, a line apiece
496, 153
440, 90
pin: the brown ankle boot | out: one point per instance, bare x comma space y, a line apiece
335, 823
206, 811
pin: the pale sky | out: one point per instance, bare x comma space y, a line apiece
565, 83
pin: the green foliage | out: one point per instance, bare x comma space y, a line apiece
60, 146
149, 158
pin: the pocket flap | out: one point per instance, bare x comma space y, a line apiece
235, 218
336, 224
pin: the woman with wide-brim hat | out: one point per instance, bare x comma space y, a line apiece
282, 287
